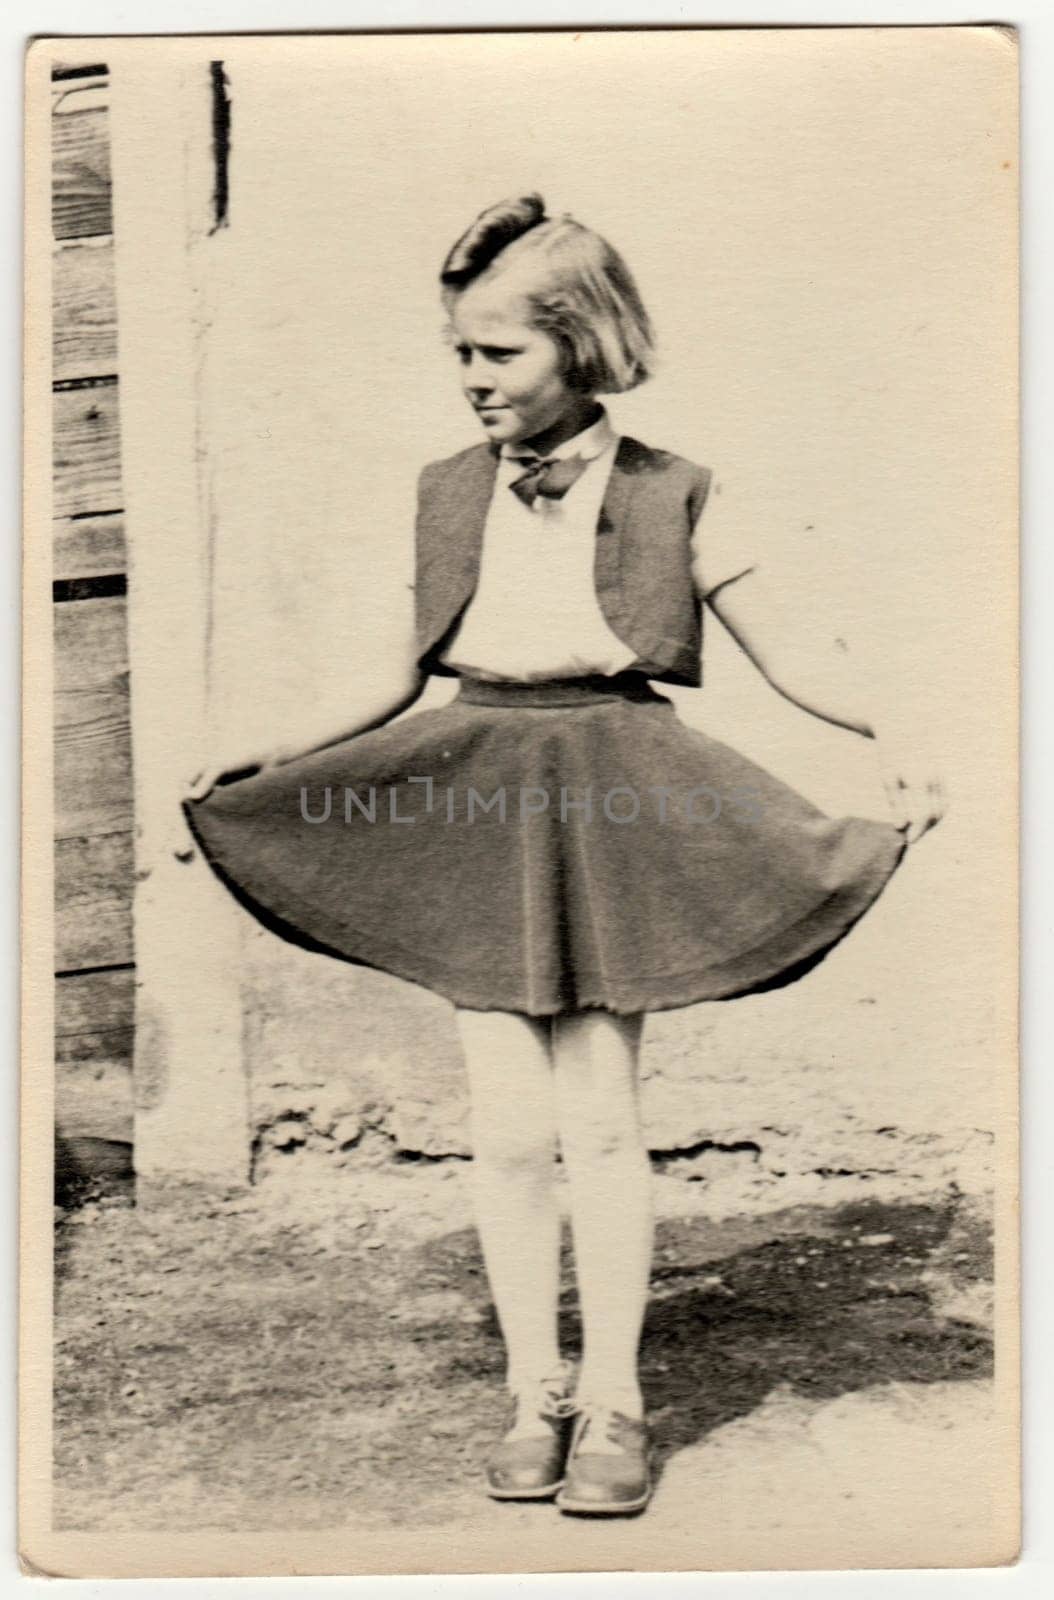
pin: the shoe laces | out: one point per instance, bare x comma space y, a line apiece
596, 1420
606, 1423
554, 1393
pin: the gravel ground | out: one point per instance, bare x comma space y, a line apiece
247, 1363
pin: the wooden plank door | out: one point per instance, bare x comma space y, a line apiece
146, 942
94, 875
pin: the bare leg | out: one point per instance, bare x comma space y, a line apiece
595, 1057
513, 1179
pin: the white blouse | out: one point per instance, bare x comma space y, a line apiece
535, 612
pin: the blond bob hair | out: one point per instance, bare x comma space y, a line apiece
578, 289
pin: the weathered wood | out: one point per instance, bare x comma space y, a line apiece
94, 1016
93, 759
94, 869
84, 326
87, 466
93, 901
80, 151
87, 547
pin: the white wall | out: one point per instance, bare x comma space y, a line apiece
821, 225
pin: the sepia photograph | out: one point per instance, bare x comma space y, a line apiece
520, 1054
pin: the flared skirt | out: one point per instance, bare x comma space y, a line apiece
544, 848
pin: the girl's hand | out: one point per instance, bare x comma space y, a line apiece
212, 770
914, 791
205, 780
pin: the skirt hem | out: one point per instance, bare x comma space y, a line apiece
777, 961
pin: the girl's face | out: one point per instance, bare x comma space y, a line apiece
512, 373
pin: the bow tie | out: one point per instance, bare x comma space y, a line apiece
549, 477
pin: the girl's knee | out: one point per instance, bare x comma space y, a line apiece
591, 1136
598, 1106
513, 1148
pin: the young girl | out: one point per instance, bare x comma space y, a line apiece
555, 851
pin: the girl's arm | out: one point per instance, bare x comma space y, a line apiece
390, 693
821, 678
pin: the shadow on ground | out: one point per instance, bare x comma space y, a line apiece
215, 1372
833, 1303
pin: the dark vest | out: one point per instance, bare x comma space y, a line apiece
642, 565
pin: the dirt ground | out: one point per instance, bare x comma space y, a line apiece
244, 1363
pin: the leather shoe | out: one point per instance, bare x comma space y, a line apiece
603, 1482
531, 1467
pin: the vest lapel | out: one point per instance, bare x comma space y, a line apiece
621, 485
451, 520
470, 490
612, 524
454, 513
